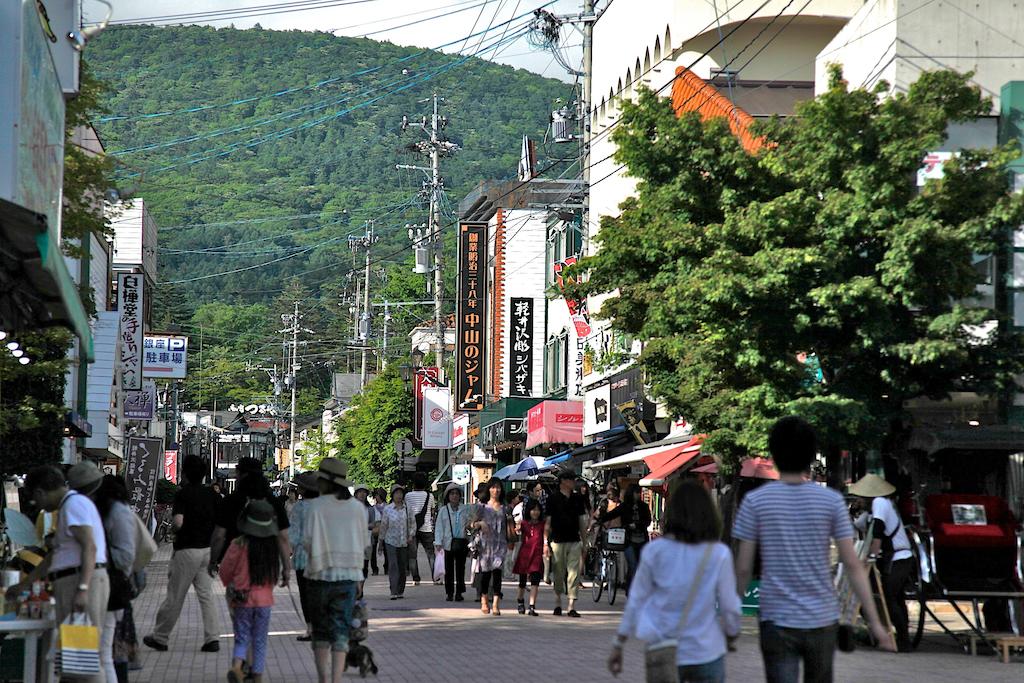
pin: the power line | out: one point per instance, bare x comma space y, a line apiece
736, 72
242, 12
403, 15
523, 183
294, 89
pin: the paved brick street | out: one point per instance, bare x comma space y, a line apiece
422, 638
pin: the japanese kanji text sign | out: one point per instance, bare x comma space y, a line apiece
143, 463
470, 366
165, 356
521, 347
129, 309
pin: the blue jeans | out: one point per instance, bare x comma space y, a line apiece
784, 648
632, 553
331, 603
711, 672
252, 625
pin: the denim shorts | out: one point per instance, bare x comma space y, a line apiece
331, 603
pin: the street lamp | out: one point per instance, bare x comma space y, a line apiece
406, 372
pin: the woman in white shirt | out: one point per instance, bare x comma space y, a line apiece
398, 531
666, 607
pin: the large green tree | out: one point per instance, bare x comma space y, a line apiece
379, 416
732, 267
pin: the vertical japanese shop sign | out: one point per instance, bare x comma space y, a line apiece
143, 463
171, 466
521, 345
129, 308
470, 372
424, 377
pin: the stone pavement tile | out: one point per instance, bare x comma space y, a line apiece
424, 639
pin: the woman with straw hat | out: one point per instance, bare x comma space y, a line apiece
308, 488
398, 531
890, 549
337, 540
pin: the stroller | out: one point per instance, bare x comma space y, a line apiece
359, 655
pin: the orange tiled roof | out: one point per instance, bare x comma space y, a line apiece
690, 92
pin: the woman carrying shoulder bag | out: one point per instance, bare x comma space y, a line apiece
450, 537
683, 601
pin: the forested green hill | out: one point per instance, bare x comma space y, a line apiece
223, 132
271, 156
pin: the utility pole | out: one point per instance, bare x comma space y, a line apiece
434, 219
291, 370
546, 30
366, 310
384, 350
294, 376
588, 20
363, 322
435, 147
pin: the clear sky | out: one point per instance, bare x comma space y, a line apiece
385, 18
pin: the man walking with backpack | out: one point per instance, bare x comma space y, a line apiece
791, 522
421, 504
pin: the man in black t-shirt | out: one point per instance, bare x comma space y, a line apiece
250, 485
195, 509
565, 534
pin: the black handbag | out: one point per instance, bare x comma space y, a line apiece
122, 589
459, 545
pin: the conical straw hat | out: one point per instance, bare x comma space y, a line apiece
872, 486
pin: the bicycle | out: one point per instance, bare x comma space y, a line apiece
165, 528
606, 576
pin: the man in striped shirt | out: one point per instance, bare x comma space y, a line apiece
792, 522
421, 504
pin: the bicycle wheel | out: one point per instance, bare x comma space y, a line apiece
613, 579
598, 585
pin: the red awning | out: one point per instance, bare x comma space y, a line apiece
758, 468
554, 422
666, 463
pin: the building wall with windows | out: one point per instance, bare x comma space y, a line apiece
896, 40
775, 48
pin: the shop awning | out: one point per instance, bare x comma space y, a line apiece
669, 445
39, 291
753, 468
607, 440
625, 460
758, 468
503, 423
554, 422
670, 460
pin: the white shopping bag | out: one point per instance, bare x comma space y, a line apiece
439, 565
